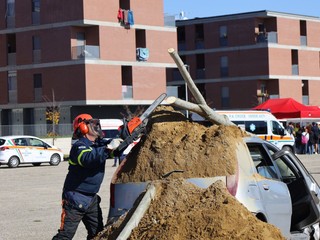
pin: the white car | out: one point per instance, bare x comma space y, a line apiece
271, 183
15, 150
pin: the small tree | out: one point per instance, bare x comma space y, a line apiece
53, 116
129, 114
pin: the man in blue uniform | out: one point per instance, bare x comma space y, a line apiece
80, 201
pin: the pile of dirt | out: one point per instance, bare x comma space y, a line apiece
183, 211
175, 144
180, 209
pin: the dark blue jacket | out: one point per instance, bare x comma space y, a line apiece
86, 167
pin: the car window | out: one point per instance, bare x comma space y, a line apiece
286, 166
277, 128
20, 142
262, 161
37, 143
256, 127
2, 141
288, 172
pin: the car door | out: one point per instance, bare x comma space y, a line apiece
304, 190
39, 150
24, 151
274, 193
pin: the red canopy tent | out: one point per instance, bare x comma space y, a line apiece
283, 108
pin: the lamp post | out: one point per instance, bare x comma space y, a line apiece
186, 88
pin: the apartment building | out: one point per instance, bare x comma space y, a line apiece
92, 56
241, 60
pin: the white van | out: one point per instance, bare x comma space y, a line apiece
261, 123
110, 127
264, 125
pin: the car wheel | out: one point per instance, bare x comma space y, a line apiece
55, 160
36, 164
13, 162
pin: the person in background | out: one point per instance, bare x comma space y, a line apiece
319, 139
315, 130
290, 129
299, 148
311, 140
304, 140
115, 160
80, 201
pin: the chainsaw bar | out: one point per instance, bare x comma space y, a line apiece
141, 128
153, 106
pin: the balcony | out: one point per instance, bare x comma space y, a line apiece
305, 99
13, 96
127, 92
270, 37
303, 40
36, 54
11, 59
35, 18
295, 69
11, 23
85, 51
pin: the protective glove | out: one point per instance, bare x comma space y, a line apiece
114, 143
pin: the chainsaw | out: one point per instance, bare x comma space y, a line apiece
132, 130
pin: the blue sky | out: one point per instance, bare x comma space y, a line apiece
208, 8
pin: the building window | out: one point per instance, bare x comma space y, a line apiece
200, 66
10, 8
12, 86
199, 36
36, 6
124, 4
181, 34
35, 12
11, 49
225, 99
126, 74
305, 92
223, 36
36, 46
36, 43
224, 68
295, 62
37, 85
140, 38
10, 13
303, 33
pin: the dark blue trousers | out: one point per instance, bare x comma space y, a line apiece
75, 210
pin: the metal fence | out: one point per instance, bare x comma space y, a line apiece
38, 130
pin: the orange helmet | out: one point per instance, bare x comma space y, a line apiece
83, 122
80, 122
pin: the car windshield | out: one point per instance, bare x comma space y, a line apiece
2, 141
110, 133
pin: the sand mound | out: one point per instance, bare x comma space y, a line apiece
182, 210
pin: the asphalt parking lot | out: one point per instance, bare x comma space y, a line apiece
31, 196
30, 203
